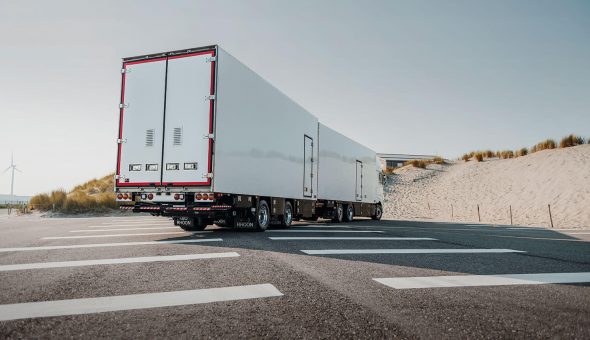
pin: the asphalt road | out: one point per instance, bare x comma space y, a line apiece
435, 280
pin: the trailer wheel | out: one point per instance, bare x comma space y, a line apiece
262, 216
378, 213
191, 223
349, 215
287, 218
338, 214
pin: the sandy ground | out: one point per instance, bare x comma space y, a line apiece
559, 177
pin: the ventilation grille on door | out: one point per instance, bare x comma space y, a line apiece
177, 138
149, 137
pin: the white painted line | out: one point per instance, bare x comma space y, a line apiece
122, 235
482, 280
322, 231
136, 301
357, 238
137, 222
131, 225
120, 229
44, 265
407, 251
585, 233
120, 244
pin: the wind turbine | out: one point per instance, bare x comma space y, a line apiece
13, 167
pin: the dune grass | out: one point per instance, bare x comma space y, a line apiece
422, 163
567, 141
96, 195
571, 140
547, 144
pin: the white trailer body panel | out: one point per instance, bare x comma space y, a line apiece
188, 120
260, 137
141, 122
347, 170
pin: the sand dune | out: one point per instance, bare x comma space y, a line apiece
559, 177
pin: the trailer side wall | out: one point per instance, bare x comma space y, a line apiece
337, 168
259, 136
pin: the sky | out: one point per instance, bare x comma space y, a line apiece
421, 77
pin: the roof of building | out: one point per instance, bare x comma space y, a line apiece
402, 157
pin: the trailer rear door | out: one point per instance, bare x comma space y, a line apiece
188, 121
140, 126
165, 128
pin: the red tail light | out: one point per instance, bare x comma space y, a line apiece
199, 196
176, 197
150, 196
211, 196
120, 196
125, 195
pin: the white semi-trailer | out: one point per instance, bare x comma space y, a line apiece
204, 139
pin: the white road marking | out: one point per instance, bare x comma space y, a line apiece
98, 245
357, 238
541, 238
322, 231
167, 258
122, 235
407, 251
121, 229
136, 301
137, 222
130, 225
585, 233
482, 280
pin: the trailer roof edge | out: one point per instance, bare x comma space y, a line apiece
170, 53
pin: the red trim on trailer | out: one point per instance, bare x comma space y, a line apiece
143, 61
133, 184
192, 54
211, 107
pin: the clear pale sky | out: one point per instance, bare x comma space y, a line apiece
428, 77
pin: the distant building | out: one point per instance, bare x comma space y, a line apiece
395, 160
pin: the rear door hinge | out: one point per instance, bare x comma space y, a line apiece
208, 175
210, 97
125, 70
209, 136
121, 140
117, 177
123, 106
210, 59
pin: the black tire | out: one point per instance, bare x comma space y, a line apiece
378, 213
262, 218
338, 214
287, 218
349, 213
192, 224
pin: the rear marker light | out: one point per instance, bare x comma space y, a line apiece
211, 196
176, 197
172, 166
125, 196
199, 196
190, 166
150, 196
120, 196
151, 167
134, 167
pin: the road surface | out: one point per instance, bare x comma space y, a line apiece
142, 277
